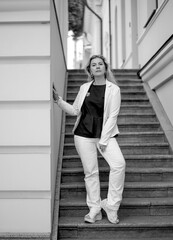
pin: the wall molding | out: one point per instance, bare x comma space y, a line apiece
25, 149
39, 16
25, 59
25, 104
25, 194
163, 82
24, 5
23, 236
158, 61
161, 114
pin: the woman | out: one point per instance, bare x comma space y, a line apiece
97, 106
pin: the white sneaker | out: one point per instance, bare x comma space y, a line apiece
93, 219
111, 214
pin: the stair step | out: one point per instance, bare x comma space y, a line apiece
136, 238
118, 73
138, 120
129, 101
137, 102
129, 207
132, 174
131, 189
124, 94
139, 161
141, 148
125, 72
74, 86
130, 137
129, 127
136, 109
127, 118
121, 81
129, 227
123, 91
82, 78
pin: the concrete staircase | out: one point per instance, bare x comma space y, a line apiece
147, 208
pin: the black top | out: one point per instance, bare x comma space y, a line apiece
90, 124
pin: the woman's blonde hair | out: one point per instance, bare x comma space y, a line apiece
108, 73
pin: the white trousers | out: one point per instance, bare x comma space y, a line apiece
87, 150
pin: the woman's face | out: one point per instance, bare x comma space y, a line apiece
97, 67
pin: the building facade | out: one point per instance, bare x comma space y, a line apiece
135, 34
32, 57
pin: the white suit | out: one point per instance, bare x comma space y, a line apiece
87, 147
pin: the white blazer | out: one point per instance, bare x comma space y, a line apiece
112, 103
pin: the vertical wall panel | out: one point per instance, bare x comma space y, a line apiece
25, 215
25, 112
26, 126
25, 80
25, 39
16, 171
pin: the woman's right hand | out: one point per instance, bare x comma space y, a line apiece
55, 94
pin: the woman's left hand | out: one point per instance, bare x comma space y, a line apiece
102, 147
